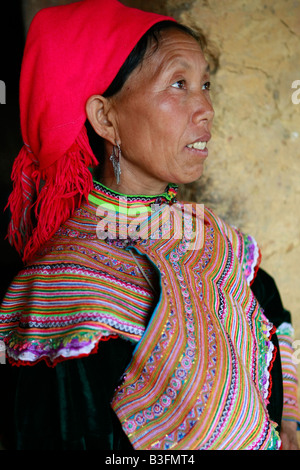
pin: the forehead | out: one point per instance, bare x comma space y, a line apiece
175, 44
175, 50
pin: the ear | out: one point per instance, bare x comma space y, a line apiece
100, 115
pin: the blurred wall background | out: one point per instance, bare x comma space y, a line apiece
252, 174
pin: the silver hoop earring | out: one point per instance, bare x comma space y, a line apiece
115, 158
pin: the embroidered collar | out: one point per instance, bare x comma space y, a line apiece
125, 219
123, 203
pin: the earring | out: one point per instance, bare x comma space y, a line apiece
115, 159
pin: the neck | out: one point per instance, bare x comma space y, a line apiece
131, 181
136, 187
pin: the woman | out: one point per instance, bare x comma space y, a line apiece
133, 309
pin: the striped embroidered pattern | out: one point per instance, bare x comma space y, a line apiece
61, 307
79, 290
199, 376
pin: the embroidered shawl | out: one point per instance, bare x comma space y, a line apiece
199, 376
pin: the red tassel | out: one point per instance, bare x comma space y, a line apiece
54, 193
21, 199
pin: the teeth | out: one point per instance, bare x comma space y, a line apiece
197, 145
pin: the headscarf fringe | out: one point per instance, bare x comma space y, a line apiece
42, 200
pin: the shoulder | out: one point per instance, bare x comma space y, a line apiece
62, 307
244, 245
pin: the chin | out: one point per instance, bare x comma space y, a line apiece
191, 177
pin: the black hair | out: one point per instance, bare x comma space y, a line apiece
135, 58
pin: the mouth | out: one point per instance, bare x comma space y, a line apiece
197, 145
200, 145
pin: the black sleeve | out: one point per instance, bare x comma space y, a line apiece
66, 407
267, 294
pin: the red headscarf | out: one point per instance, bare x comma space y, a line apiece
71, 52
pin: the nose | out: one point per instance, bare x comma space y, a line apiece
203, 109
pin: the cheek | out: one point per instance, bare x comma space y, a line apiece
133, 114
152, 125
172, 118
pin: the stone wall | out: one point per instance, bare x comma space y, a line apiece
252, 175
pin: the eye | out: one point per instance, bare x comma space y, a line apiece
206, 86
180, 84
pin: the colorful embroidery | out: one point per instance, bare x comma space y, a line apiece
221, 406
199, 377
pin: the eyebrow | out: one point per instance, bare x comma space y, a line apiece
186, 65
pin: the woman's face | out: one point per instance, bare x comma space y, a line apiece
164, 116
